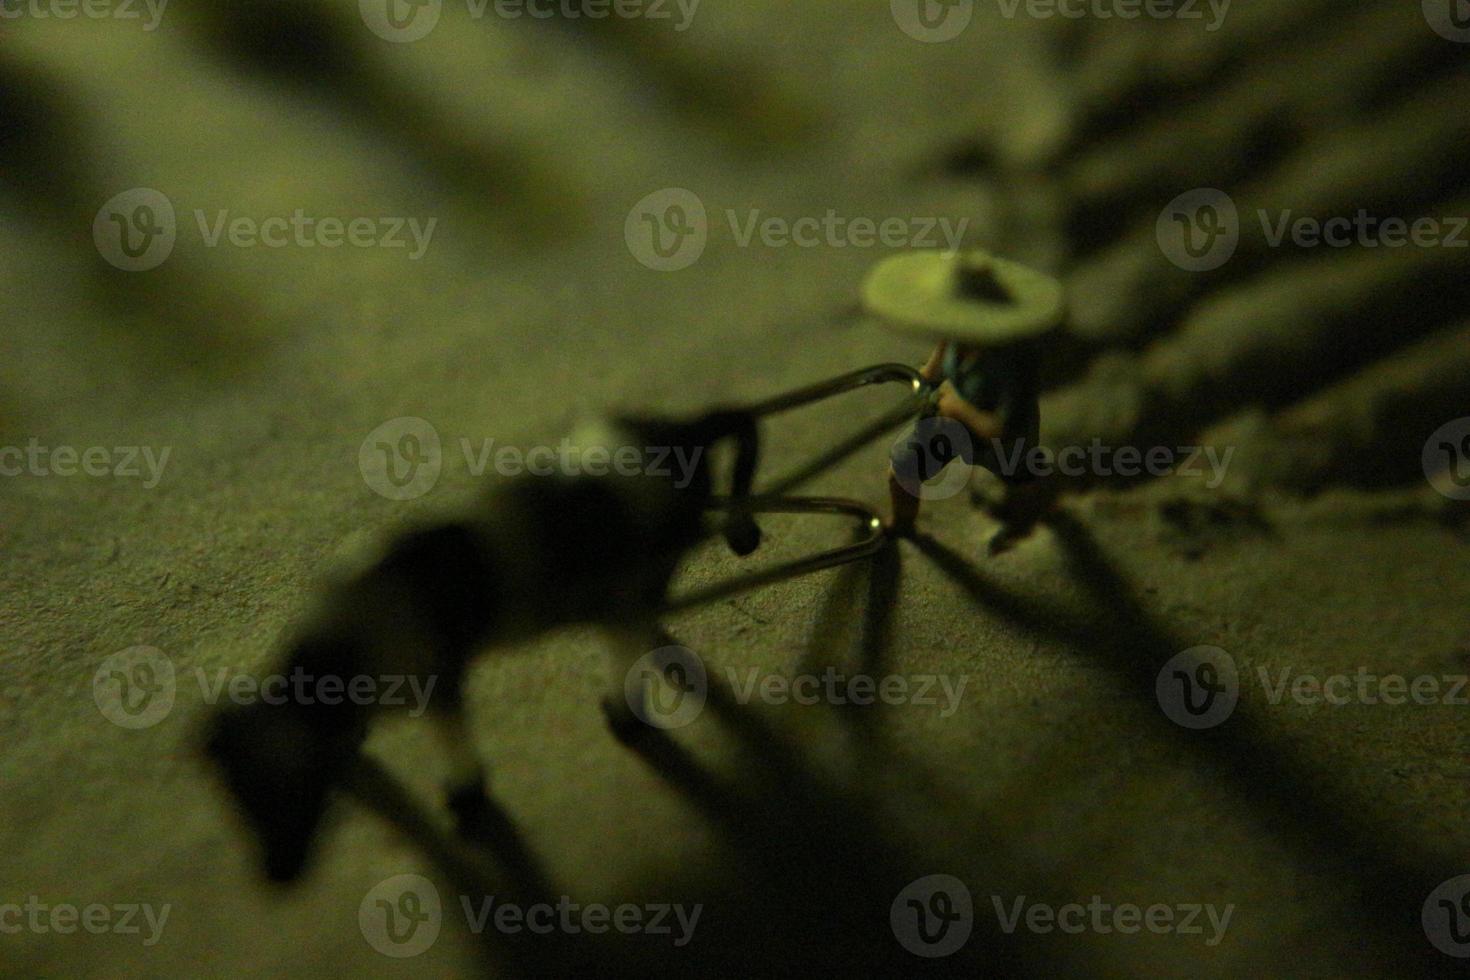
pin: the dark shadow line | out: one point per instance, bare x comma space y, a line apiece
462, 861
465, 867
803, 835
1269, 775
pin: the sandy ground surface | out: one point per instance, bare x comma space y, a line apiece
1055, 777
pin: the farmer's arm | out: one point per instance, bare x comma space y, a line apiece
933, 369
983, 425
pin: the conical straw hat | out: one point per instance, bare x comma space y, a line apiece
969, 296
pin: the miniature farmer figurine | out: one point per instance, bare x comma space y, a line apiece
990, 318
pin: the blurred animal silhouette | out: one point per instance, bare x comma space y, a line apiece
539, 553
